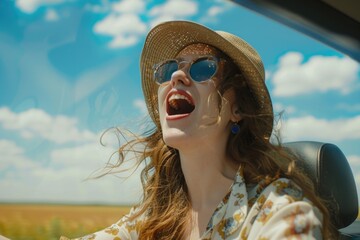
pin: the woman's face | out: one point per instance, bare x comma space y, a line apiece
189, 111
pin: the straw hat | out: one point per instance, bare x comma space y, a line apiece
167, 39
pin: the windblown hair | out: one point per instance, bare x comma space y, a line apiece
166, 203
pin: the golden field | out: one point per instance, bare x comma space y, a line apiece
47, 222
43, 221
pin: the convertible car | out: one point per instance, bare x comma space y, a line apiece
337, 24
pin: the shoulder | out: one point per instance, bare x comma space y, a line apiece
280, 188
281, 199
280, 208
131, 221
126, 228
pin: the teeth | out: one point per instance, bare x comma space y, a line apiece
174, 104
179, 96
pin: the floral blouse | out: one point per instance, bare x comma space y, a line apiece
279, 211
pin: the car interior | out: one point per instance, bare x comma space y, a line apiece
330, 171
336, 24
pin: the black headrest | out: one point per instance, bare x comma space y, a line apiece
327, 166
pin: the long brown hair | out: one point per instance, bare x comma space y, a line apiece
166, 203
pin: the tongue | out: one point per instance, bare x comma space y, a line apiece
180, 106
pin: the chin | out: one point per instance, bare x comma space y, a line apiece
175, 138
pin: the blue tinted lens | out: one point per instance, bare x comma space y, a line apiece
164, 71
203, 69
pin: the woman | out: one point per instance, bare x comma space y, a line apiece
211, 171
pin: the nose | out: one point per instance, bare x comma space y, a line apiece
180, 77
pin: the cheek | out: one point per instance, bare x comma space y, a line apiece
220, 105
210, 98
228, 101
213, 102
162, 92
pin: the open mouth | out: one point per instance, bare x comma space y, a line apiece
179, 104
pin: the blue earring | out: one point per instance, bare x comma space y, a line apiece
235, 128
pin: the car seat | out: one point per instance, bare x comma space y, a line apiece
330, 171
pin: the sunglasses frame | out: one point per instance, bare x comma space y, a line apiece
186, 66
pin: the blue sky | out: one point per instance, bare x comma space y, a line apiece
69, 70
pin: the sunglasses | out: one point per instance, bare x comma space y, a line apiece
200, 70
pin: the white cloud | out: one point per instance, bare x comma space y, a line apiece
309, 127
68, 185
161, 19
140, 105
121, 6
30, 6
126, 29
177, 8
124, 41
357, 181
129, 6
11, 155
318, 74
64, 186
9, 148
354, 161
51, 15
268, 74
173, 9
215, 10
37, 123
124, 23
280, 108
89, 155
61, 179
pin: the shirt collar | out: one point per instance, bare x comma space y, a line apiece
231, 212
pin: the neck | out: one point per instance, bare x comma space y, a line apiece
209, 174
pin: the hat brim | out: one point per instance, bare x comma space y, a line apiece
166, 40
